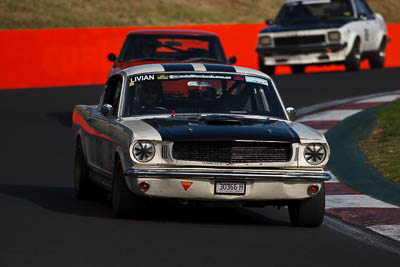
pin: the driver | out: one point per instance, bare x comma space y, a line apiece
149, 94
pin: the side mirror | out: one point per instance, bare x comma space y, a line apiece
112, 57
269, 22
363, 16
106, 110
232, 60
291, 113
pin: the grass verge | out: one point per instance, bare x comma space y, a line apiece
28, 14
383, 146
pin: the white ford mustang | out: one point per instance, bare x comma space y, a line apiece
201, 133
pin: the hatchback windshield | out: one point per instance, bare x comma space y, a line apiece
322, 10
172, 48
200, 93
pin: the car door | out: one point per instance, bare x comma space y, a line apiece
369, 25
99, 122
109, 144
97, 125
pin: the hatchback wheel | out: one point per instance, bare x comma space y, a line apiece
377, 58
353, 60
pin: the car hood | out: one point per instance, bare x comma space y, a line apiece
220, 128
314, 26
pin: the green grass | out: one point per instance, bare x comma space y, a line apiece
383, 146
32, 14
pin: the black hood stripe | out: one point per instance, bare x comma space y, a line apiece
197, 130
178, 67
219, 68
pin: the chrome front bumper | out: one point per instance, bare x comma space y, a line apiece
272, 176
263, 186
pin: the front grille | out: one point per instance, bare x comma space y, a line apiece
299, 40
232, 152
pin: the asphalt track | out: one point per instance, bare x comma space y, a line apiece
43, 224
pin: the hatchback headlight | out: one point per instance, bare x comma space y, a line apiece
334, 36
144, 151
265, 40
314, 154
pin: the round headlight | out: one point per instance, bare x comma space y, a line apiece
334, 36
266, 40
314, 154
144, 151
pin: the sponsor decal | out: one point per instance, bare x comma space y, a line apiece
141, 79
186, 185
256, 80
162, 77
198, 76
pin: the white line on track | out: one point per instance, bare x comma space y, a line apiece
355, 201
334, 178
330, 115
392, 231
387, 98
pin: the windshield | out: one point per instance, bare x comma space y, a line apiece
200, 93
315, 11
172, 48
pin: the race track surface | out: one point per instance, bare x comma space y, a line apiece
43, 224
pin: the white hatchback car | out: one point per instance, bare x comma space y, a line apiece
319, 32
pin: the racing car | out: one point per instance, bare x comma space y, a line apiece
320, 32
198, 133
161, 46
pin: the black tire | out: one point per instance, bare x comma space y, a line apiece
377, 58
353, 60
308, 212
124, 202
270, 70
82, 184
298, 69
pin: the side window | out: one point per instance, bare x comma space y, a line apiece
368, 9
363, 8
113, 93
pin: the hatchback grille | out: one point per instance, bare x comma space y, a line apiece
232, 152
299, 40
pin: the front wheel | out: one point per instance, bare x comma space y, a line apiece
124, 202
270, 70
353, 60
308, 212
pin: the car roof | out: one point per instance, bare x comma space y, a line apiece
173, 31
191, 67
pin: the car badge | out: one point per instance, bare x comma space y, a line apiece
186, 185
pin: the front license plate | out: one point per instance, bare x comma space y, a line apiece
230, 188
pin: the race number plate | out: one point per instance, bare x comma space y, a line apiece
230, 188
